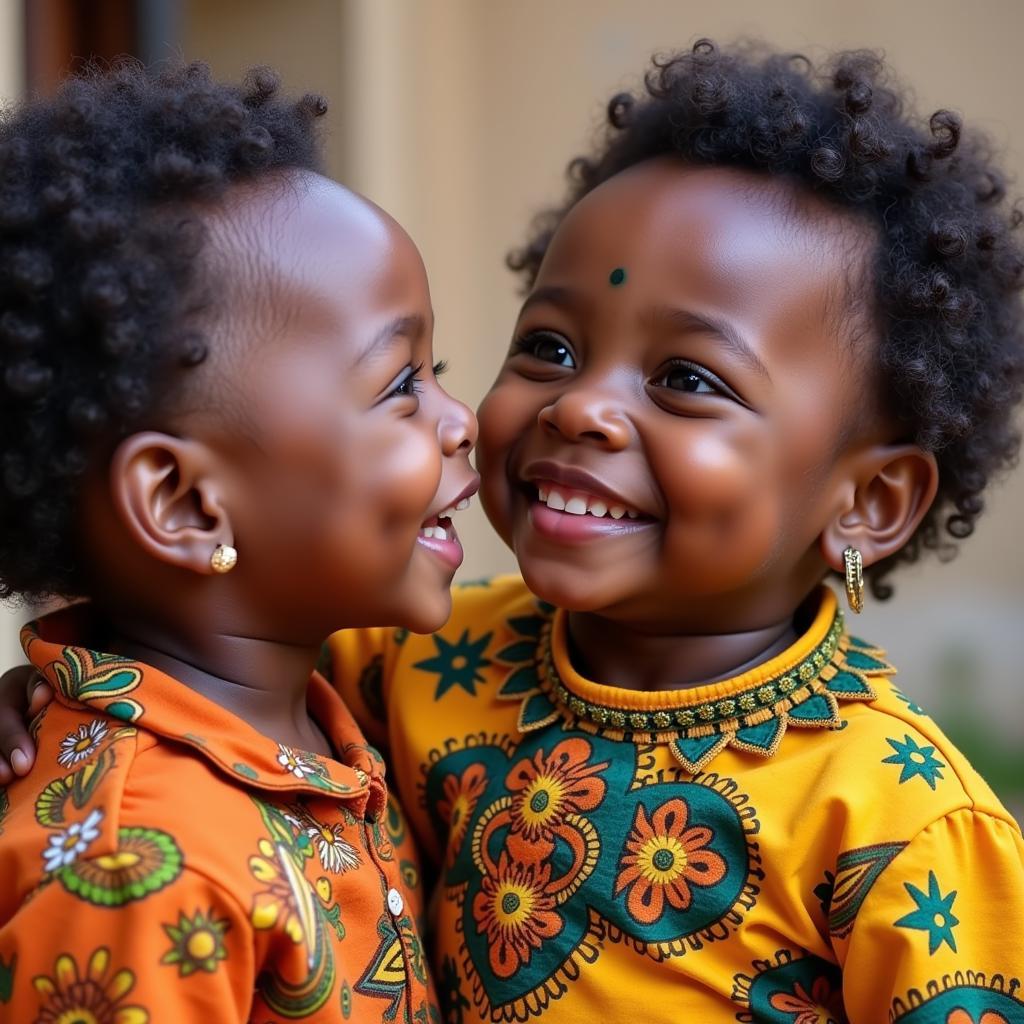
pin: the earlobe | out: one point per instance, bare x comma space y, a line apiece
891, 489
167, 497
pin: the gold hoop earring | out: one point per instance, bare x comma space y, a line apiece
854, 566
224, 558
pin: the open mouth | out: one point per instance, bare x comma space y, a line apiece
440, 527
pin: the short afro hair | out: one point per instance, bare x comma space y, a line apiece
947, 270
99, 277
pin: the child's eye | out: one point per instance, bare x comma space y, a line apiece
547, 347
689, 378
408, 385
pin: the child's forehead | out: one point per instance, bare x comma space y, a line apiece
738, 213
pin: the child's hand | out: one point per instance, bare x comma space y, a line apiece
23, 694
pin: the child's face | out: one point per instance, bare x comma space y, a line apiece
679, 358
342, 447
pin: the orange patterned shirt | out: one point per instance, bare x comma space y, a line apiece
164, 861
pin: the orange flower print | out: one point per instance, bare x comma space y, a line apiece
95, 996
456, 806
959, 1016
822, 1006
516, 912
663, 858
547, 788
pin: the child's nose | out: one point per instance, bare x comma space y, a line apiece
457, 428
587, 415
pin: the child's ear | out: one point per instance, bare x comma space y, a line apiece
166, 496
886, 495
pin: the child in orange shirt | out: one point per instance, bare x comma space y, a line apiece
220, 424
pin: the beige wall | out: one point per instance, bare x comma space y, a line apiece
458, 116
11, 76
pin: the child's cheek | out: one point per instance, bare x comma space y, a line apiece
725, 507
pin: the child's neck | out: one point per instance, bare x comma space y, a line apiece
262, 682
627, 656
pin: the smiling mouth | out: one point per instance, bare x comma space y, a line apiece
440, 527
580, 503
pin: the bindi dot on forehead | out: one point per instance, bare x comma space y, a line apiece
617, 277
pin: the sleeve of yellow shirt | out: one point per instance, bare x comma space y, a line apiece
358, 663
183, 954
940, 933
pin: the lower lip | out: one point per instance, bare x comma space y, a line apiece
571, 529
448, 551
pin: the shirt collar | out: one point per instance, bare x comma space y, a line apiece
750, 712
159, 704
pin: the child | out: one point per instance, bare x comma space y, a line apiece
774, 333
775, 326
220, 425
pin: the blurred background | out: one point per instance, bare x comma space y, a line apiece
459, 116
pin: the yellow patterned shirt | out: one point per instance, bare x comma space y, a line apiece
800, 844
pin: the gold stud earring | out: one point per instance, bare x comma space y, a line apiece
224, 558
854, 566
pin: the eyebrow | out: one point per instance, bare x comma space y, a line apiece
688, 322
553, 295
400, 327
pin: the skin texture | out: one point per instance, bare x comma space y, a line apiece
315, 440
714, 393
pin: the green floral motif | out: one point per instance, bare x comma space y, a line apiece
457, 664
197, 943
145, 861
246, 770
934, 914
7, 977
914, 760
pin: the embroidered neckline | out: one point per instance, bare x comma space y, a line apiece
751, 712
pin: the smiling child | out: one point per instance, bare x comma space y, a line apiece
220, 425
774, 334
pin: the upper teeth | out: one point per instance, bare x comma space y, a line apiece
449, 512
578, 504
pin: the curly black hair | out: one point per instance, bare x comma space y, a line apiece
99, 276
947, 270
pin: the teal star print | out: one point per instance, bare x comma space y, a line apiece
934, 914
457, 664
914, 760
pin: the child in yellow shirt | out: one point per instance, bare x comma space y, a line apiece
773, 334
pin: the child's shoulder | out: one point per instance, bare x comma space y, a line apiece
898, 763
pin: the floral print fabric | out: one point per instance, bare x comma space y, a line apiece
798, 845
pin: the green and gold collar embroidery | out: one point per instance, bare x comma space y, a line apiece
801, 687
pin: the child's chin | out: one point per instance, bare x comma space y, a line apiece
573, 591
430, 614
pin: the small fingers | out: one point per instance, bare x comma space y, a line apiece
40, 693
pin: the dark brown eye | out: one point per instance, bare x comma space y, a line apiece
549, 348
686, 379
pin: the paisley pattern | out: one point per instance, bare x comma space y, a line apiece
549, 849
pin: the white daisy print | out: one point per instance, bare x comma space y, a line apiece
77, 746
67, 846
337, 854
299, 764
